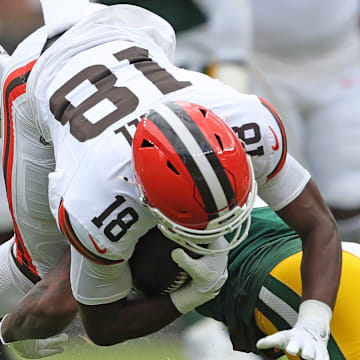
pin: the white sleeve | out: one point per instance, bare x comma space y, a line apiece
286, 186
94, 284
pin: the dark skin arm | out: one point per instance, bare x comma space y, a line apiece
137, 316
130, 318
50, 307
46, 310
309, 216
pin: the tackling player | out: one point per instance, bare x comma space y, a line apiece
104, 138
262, 295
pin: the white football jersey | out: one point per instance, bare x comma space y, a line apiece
86, 94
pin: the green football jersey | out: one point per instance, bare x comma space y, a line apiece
269, 242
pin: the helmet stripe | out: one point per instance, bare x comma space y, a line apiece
197, 155
207, 149
192, 166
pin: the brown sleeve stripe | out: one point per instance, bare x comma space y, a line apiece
69, 233
276, 116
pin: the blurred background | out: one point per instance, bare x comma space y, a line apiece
301, 56
18, 19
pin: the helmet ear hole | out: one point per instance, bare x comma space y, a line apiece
172, 167
203, 111
218, 138
146, 143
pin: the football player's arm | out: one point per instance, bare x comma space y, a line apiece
46, 310
289, 190
50, 307
109, 311
129, 318
310, 217
320, 273
136, 315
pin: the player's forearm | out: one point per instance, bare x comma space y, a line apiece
27, 321
321, 265
46, 310
131, 318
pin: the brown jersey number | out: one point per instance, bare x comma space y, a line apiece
124, 100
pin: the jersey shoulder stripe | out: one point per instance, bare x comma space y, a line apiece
282, 159
69, 233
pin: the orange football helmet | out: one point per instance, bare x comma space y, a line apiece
193, 175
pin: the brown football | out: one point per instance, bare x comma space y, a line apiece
153, 271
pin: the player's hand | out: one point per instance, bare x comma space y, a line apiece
301, 341
308, 338
208, 275
207, 272
39, 348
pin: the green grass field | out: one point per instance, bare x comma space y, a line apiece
132, 350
